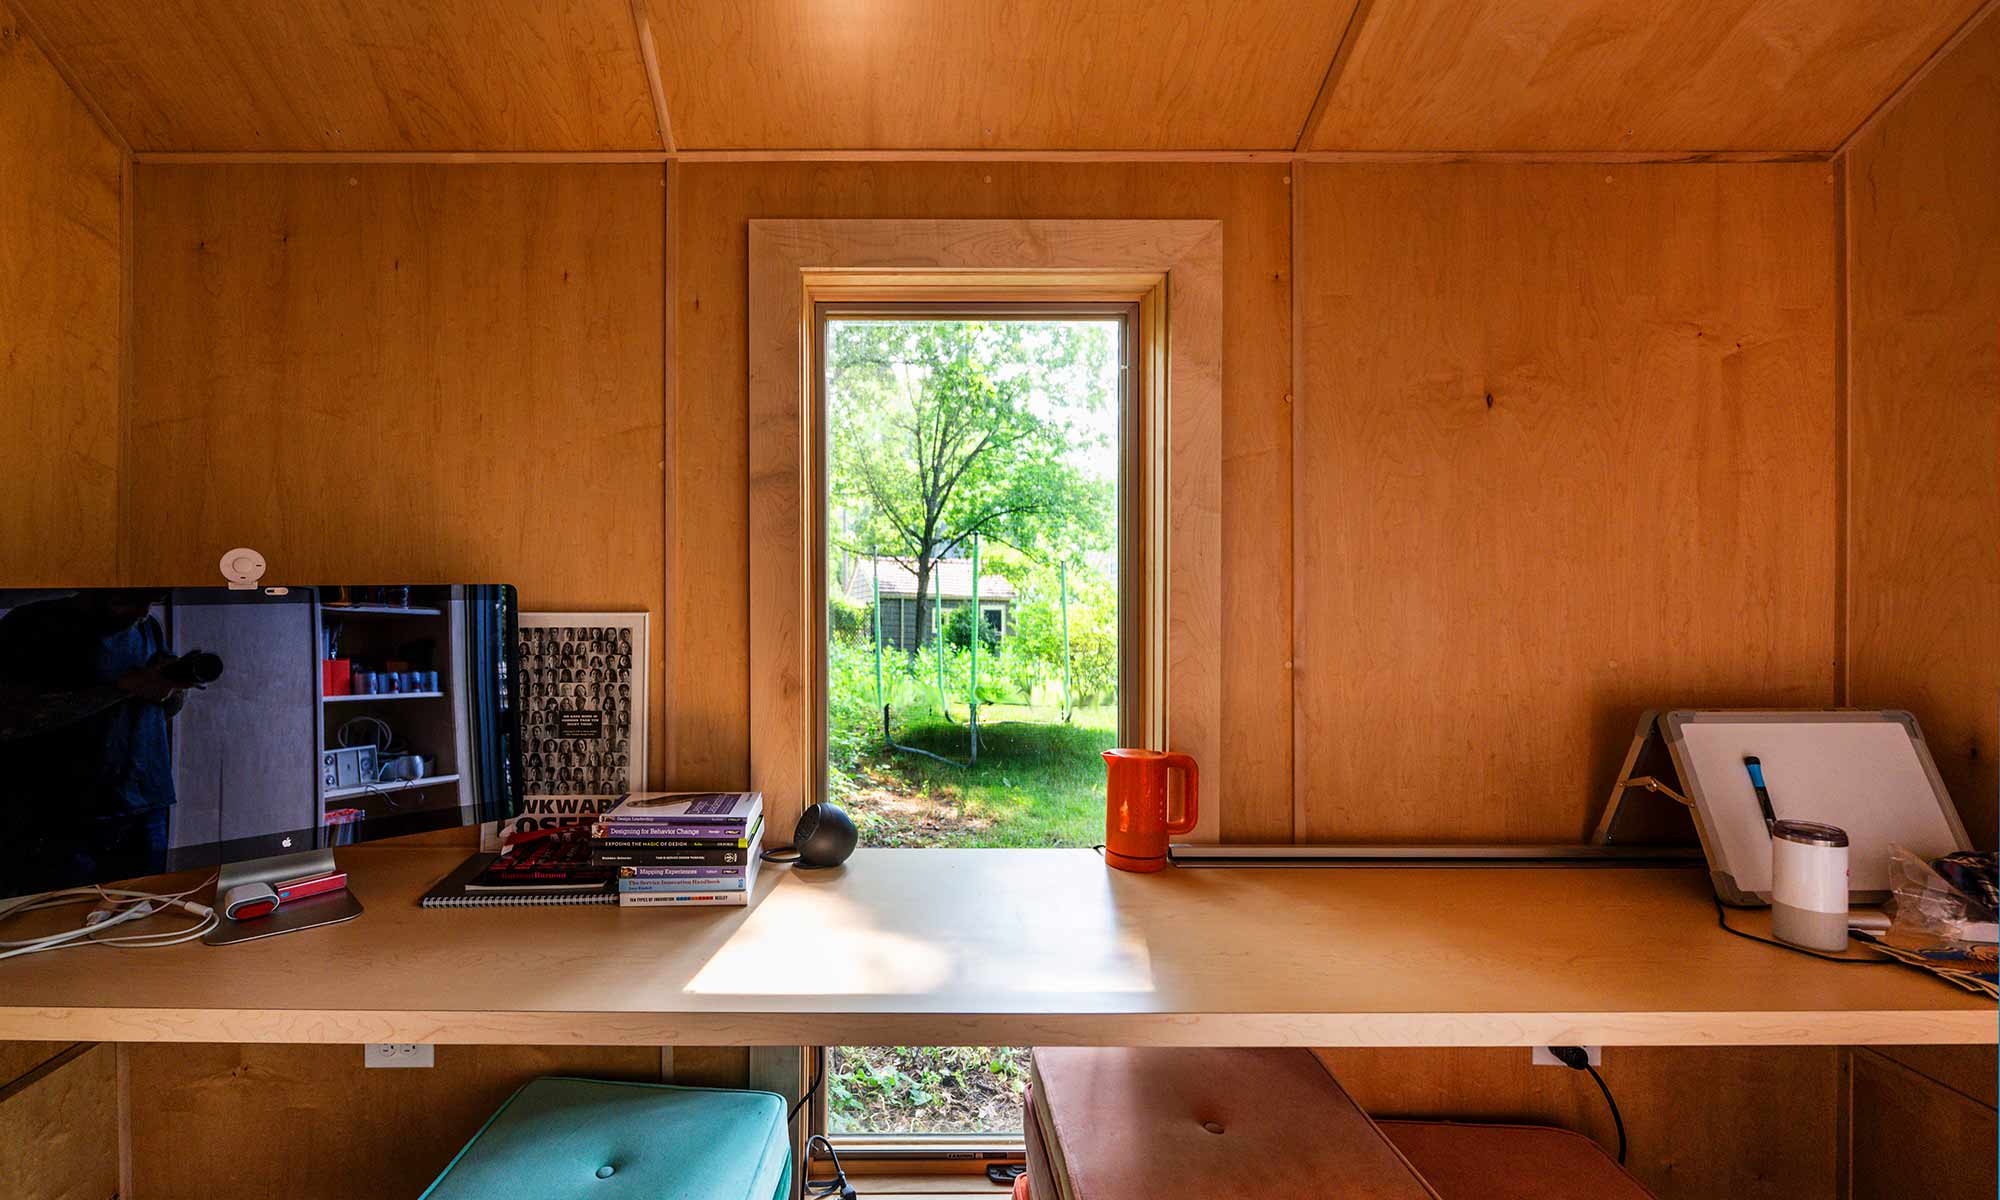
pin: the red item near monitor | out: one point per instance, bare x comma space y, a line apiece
336, 676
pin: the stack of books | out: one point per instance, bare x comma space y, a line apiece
682, 848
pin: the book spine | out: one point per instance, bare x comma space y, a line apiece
669, 858
680, 872
713, 833
669, 843
685, 899
666, 887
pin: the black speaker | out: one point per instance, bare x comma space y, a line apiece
824, 836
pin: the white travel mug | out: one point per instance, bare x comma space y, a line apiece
1809, 884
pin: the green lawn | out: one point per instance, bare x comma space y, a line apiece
1038, 782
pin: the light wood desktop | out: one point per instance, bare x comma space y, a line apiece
1012, 947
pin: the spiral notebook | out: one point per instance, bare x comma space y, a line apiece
451, 892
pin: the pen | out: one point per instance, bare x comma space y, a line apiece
1756, 770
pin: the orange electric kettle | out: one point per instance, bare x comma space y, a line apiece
1136, 827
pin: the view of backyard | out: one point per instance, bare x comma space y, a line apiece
972, 648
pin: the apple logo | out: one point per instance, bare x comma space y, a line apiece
286, 843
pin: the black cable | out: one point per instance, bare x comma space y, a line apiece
1722, 919
1576, 1058
1617, 1120
812, 1089
838, 1185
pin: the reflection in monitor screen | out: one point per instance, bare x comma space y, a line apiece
144, 730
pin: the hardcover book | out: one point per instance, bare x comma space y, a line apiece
730, 810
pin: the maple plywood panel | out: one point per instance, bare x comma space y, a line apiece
1913, 1137
1924, 426
991, 74
347, 1130
1700, 1122
1626, 74
1566, 453
709, 551
60, 326
59, 1132
404, 372
360, 74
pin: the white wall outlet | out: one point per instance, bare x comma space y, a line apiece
398, 1054
1542, 1057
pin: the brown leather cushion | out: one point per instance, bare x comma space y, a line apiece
1511, 1162
1117, 1124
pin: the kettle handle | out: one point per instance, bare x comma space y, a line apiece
1190, 798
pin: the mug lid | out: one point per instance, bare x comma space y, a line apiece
1810, 832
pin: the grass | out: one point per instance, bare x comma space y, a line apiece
1038, 782
925, 1089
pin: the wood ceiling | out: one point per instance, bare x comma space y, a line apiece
1455, 76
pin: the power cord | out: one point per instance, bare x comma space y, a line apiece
1576, 1058
1722, 919
114, 906
838, 1185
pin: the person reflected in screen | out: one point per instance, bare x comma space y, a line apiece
87, 689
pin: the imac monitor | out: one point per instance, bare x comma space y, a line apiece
145, 730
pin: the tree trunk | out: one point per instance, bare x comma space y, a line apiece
924, 563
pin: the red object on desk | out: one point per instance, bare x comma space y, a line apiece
1136, 827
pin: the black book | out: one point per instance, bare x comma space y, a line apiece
669, 854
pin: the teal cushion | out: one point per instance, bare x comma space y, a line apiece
588, 1139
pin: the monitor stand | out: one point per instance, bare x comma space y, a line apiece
330, 909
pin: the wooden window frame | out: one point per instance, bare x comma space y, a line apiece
1172, 272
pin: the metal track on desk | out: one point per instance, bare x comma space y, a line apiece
1188, 854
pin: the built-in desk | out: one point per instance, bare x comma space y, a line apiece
1011, 947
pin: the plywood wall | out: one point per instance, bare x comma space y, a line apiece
709, 554
1700, 1121
1565, 453
396, 372
60, 326
1923, 458
347, 1130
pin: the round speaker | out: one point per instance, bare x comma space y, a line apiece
824, 836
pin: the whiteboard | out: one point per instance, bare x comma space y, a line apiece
1867, 772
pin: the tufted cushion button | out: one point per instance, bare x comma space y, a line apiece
1212, 1126
605, 1171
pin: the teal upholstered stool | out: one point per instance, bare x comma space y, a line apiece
588, 1139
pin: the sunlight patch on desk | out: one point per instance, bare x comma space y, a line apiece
807, 941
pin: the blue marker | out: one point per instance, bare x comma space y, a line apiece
1756, 770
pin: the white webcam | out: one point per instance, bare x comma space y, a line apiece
242, 567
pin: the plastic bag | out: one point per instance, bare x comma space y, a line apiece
1948, 901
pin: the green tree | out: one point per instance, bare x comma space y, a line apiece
946, 429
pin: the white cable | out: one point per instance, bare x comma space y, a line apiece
124, 905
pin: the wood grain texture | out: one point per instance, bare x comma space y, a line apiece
360, 74
924, 947
60, 327
346, 1131
58, 1134
1566, 453
1911, 1137
1923, 265
1626, 74
1974, 1070
710, 548
990, 74
1173, 268
422, 373
1701, 1122
19, 1058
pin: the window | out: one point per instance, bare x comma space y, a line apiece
974, 458
1168, 605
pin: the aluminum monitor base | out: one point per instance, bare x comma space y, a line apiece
310, 913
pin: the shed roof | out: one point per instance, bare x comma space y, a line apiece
951, 576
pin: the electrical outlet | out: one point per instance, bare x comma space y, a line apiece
398, 1054
1542, 1057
